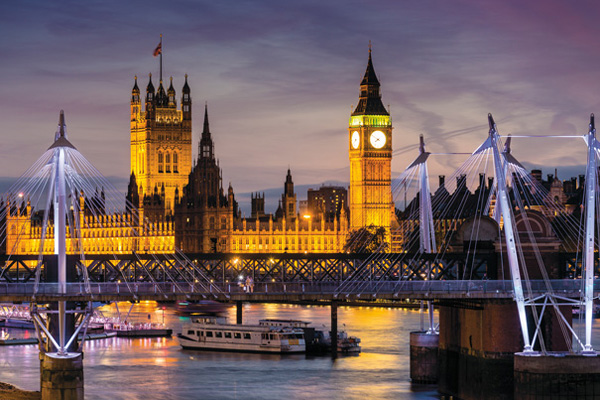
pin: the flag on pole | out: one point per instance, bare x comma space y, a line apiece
158, 49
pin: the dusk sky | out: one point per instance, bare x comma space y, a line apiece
280, 78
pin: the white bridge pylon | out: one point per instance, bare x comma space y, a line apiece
426, 228
62, 338
503, 212
590, 220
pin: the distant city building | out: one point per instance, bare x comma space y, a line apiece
327, 201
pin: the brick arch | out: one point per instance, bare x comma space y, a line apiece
538, 223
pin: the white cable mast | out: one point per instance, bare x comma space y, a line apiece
505, 212
590, 207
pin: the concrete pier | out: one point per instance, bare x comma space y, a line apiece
556, 376
424, 357
61, 377
477, 343
334, 336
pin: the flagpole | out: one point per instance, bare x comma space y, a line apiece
161, 57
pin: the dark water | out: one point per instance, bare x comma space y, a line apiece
159, 369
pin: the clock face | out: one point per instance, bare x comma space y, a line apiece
377, 139
355, 139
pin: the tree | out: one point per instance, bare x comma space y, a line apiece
366, 240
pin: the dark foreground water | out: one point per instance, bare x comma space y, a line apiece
159, 369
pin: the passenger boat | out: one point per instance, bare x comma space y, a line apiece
214, 333
127, 329
318, 341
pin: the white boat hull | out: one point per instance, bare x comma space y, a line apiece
189, 343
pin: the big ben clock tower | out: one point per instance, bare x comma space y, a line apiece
370, 143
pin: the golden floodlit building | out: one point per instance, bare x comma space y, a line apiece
188, 207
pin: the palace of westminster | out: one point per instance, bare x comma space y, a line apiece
189, 209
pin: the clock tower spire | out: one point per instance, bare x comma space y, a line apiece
370, 153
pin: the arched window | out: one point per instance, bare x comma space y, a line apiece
167, 162
161, 162
175, 163
211, 223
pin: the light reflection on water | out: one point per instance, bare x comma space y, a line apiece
157, 368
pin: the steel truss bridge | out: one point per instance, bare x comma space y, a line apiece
278, 277
287, 267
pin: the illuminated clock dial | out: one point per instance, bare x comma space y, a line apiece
355, 139
377, 139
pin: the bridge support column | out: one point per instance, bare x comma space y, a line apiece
61, 376
334, 330
476, 345
238, 312
479, 340
424, 357
556, 375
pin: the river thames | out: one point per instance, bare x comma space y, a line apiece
119, 368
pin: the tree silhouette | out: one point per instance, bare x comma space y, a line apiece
366, 240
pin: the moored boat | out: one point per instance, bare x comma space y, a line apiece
126, 329
214, 333
318, 341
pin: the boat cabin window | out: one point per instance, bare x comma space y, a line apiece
228, 335
190, 332
218, 334
246, 335
237, 335
200, 333
209, 334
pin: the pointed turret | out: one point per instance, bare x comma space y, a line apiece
369, 102
289, 184
136, 104
150, 89
161, 97
133, 198
205, 149
171, 95
135, 92
288, 198
186, 101
150, 99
